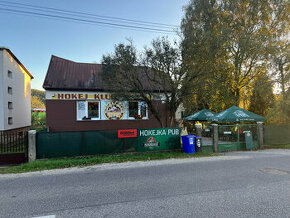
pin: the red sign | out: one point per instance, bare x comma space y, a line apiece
127, 133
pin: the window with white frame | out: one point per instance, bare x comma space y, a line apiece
143, 109
93, 110
133, 109
137, 110
88, 110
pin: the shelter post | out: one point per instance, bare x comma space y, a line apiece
238, 134
215, 137
260, 134
198, 129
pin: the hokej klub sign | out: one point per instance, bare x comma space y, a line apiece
81, 96
158, 139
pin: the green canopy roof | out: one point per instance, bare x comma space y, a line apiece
203, 115
236, 114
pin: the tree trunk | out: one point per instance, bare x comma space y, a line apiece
155, 112
237, 97
172, 118
282, 80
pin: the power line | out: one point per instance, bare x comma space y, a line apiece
110, 18
89, 21
72, 21
65, 13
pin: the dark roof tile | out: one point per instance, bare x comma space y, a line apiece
64, 74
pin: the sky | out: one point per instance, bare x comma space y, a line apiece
33, 39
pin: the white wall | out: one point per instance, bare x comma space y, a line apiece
1, 92
179, 111
21, 96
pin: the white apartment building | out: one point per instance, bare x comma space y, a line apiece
15, 92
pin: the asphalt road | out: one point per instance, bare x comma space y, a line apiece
241, 184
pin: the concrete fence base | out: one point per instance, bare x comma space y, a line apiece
31, 145
215, 137
260, 134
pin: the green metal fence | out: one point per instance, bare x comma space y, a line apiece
232, 137
277, 134
67, 144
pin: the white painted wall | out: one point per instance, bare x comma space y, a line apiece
1, 92
179, 111
21, 94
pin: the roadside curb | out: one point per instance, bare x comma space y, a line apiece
124, 165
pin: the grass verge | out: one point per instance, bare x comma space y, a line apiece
287, 146
49, 164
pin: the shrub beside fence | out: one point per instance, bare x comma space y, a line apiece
277, 134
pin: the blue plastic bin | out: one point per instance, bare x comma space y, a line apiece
188, 143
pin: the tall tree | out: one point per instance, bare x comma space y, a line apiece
40, 97
262, 97
154, 75
229, 40
280, 59
36, 102
280, 112
164, 59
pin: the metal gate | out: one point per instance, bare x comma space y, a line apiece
232, 137
13, 147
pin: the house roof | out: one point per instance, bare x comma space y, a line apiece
17, 60
64, 74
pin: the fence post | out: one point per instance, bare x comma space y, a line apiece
198, 129
215, 137
260, 134
31, 145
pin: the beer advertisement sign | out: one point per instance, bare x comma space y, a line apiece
158, 139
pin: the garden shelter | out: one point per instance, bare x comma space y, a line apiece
203, 115
236, 114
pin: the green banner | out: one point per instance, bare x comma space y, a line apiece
158, 139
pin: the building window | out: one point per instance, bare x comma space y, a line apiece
9, 74
9, 90
10, 105
143, 109
10, 120
88, 110
93, 109
138, 110
133, 109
